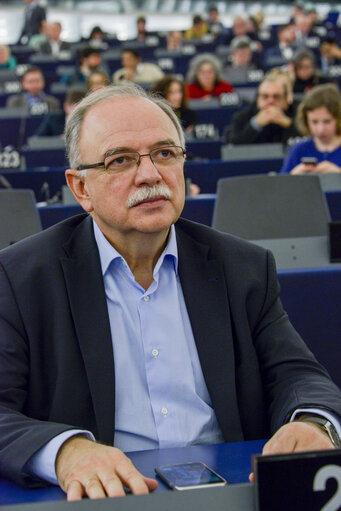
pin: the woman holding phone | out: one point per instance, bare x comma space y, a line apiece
319, 118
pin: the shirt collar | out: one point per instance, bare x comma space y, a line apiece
108, 253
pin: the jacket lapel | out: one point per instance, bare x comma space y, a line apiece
204, 287
84, 283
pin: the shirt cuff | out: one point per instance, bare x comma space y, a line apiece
321, 413
42, 463
254, 124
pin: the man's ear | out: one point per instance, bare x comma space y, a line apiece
76, 183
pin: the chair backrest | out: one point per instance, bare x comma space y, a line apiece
330, 182
271, 207
231, 152
67, 196
19, 216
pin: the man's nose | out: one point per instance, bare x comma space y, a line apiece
146, 171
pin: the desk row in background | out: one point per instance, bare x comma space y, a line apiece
17, 125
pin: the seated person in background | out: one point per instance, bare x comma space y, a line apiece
282, 75
53, 124
173, 90
319, 117
240, 26
311, 11
133, 70
129, 328
215, 26
296, 10
141, 29
97, 38
255, 24
7, 61
54, 45
268, 119
330, 53
286, 44
303, 30
97, 80
304, 71
174, 40
90, 60
197, 30
240, 58
204, 78
32, 85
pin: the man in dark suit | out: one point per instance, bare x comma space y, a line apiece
54, 45
283, 51
268, 119
141, 329
35, 15
33, 96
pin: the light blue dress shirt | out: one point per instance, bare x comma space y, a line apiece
161, 396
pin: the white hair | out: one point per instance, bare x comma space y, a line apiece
75, 120
198, 61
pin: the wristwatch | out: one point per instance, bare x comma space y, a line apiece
325, 424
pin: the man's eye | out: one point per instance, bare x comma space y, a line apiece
120, 160
164, 154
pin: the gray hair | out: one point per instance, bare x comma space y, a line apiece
75, 120
198, 60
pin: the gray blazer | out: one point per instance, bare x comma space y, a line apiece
19, 101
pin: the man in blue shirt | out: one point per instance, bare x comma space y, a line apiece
138, 330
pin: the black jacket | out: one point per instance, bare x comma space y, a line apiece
241, 131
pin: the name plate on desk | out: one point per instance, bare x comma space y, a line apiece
10, 159
204, 131
229, 99
39, 108
301, 481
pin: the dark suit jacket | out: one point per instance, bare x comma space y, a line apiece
46, 48
241, 131
33, 21
56, 356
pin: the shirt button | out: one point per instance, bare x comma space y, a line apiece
146, 298
155, 352
164, 411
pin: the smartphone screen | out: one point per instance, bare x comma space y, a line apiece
309, 159
187, 476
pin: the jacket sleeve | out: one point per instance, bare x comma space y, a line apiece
241, 130
20, 436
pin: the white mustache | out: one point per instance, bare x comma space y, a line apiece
148, 192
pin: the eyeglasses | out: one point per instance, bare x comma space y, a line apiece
123, 161
276, 97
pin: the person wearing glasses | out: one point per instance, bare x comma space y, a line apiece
268, 119
126, 328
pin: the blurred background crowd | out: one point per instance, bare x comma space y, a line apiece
278, 67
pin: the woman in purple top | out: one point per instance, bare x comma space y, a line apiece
318, 115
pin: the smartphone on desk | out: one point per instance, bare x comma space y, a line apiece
311, 160
187, 476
